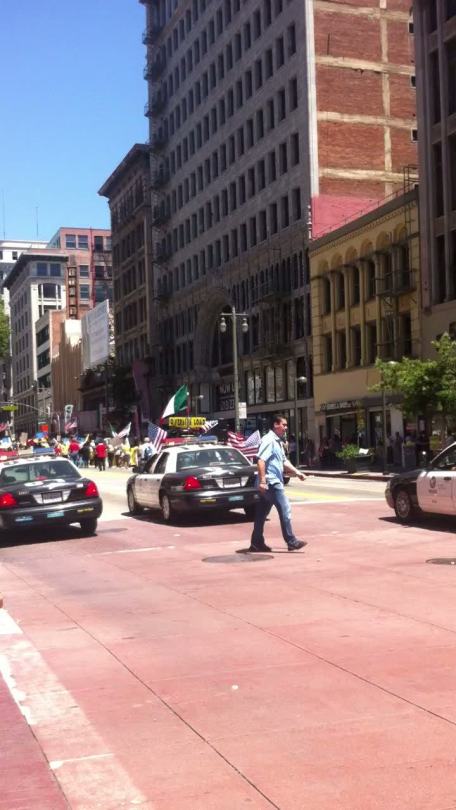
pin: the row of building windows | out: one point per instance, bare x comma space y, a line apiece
284, 276
391, 274
395, 341
128, 202
131, 315
251, 30
252, 131
21, 344
129, 244
130, 280
23, 385
255, 230
133, 349
253, 80
81, 242
449, 12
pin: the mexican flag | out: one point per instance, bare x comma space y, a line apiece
177, 402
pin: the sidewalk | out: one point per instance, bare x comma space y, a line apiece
365, 475
25, 778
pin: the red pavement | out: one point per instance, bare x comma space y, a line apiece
25, 779
187, 676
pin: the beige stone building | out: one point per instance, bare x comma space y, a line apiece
365, 281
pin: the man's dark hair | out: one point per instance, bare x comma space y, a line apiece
279, 417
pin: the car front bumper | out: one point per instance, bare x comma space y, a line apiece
205, 500
51, 515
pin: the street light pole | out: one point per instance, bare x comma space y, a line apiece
384, 418
296, 420
385, 466
235, 372
244, 326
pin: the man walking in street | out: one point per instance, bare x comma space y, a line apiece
271, 464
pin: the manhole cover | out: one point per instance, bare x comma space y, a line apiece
442, 561
238, 558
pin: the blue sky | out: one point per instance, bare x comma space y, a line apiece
71, 105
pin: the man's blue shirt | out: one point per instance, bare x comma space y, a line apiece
272, 453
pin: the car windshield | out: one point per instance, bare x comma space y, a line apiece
45, 470
215, 457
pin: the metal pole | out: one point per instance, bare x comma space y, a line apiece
385, 469
296, 425
235, 371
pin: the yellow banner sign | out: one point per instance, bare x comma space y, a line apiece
187, 421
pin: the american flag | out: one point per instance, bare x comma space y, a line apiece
248, 446
72, 425
209, 425
157, 436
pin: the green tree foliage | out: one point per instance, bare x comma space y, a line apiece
4, 330
427, 387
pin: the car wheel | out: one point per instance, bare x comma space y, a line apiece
403, 506
166, 508
250, 513
89, 526
133, 507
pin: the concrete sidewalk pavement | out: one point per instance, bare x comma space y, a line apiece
163, 669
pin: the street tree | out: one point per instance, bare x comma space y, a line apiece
427, 387
4, 330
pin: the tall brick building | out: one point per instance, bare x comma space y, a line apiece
270, 122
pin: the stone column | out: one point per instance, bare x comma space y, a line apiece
361, 265
332, 280
379, 273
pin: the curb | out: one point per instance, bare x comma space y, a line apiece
350, 476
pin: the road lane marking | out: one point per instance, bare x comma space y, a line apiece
8, 626
45, 703
338, 500
55, 764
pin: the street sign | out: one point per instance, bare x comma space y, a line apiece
9, 408
242, 410
187, 421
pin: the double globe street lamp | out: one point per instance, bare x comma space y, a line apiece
244, 329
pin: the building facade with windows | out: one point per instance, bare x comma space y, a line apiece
269, 121
366, 303
135, 306
435, 34
89, 268
37, 285
10, 250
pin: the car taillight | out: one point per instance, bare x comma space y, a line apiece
91, 490
7, 500
191, 483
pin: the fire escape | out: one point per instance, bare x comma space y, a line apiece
159, 169
398, 275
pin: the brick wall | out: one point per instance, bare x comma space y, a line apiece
365, 102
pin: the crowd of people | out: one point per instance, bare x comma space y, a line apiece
96, 451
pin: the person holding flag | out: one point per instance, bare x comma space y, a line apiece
271, 464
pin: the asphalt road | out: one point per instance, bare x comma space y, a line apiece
160, 667
112, 485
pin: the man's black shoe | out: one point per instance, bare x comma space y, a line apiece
295, 545
264, 548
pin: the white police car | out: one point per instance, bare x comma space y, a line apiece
432, 490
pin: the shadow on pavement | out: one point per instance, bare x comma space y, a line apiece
431, 523
55, 534
225, 519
